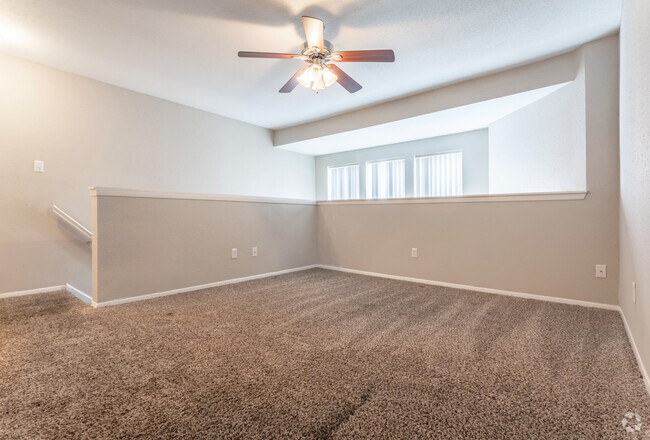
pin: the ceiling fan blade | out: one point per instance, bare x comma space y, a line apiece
360, 56
293, 82
313, 31
288, 56
344, 79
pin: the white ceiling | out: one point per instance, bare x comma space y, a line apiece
453, 120
186, 51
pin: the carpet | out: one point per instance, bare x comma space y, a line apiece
316, 354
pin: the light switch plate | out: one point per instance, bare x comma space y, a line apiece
39, 166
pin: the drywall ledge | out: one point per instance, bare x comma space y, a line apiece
125, 192
549, 72
530, 197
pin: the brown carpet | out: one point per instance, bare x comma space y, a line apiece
315, 354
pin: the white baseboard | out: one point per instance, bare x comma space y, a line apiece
202, 286
88, 300
78, 293
32, 291
639, 361
475, 288
68, 288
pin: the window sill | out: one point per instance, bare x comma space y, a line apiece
479, 198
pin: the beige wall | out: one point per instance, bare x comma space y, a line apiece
93, 134
473, 144
541, 147
146, 245
544, 247
635, 171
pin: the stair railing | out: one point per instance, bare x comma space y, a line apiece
80, 230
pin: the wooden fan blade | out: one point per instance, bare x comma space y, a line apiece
288, 56
344, 79
313, 31
360, 56
293, 82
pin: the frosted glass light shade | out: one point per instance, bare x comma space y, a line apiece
328, 77
317, 77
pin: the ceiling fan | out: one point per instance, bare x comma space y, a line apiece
318, 53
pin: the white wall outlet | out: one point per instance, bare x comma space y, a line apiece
634, 292
414, 252
39, 166
255, 251
234, 252
601, 271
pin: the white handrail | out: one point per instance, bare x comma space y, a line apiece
81, 231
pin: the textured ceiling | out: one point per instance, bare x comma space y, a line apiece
186, 51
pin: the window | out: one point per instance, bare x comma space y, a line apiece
385, 179
439, 175
343, 182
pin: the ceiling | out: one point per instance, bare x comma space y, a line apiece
186, 51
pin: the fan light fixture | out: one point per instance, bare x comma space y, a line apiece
317, 77
318, 53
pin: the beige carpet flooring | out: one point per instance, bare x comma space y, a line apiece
316, 354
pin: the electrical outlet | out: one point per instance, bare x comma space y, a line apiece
255, 251
39, 166
414, 252
634, 292
601, 271
234, 252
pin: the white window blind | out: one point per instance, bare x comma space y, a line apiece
343, 182
385, 179
439, 175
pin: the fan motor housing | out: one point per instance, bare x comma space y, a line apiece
328, 48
